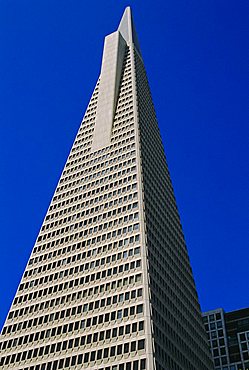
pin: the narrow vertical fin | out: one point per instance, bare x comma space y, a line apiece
110, 77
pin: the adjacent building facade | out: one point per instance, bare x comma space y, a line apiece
109, 285
228, 335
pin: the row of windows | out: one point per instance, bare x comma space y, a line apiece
89, 202
97, 183
238, 366
75, 296
74, 326
174, 269
77, 310
86, 243
86, 308
97, 337
93, 220
187, 328
71, 361
164, 271
126, 104
217, 342
122, 96
166, 245
88, 208
121, 126
126, 74
244, 337
113, 157
220, 361
216, 334
80, 256
125, 112
168, 207
167, 298
162, 222
168, 216
100, 227
212, 317
93, 166
88, 119
214, 325
118, 174
83, 268
122, 134
115, 145
107, 225
167, 234
126, 91
91, 160
84, 144
30, 296
84, 136
165, 347
169, 333
87, 124
219, 351
93, 230
86, 133
94, 175
114, 271
92, 106
124, 122
87, 357
78, 147
90, 110
79, 174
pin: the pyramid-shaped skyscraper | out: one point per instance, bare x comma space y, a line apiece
109, 285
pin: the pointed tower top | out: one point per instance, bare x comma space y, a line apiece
127, 29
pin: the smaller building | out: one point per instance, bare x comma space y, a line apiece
228, 335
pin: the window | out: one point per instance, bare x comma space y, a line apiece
112, 352
80, 360
99, 354
133, 346
119, 315
141, 344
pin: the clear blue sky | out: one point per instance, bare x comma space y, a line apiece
196, 58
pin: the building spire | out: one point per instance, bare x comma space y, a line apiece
110, 77
127, 29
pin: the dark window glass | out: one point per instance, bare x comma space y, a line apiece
135, 365
99, 354
92, 358
112, 352
119, 349
86, 357
80, 359
143, 364
141, 344
133, 346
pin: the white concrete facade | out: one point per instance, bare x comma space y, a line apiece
109, 285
